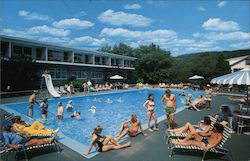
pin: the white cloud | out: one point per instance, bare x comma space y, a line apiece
221, 4
123, 18
139, 35
132, 6
88, 40
56, 40
73, 23
48, 30
216, 24
81, 14
201, 8
33, 16
241, 45
238, 35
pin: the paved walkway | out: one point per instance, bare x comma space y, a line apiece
153, 147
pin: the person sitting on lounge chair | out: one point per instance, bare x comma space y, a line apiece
103, 146
35, 129
222, 116
131, 131
196, 102
204, 142
203, 128
13, 140
241, 100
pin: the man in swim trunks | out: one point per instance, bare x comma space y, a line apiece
205, 142
131, 131
170, 107
32, 100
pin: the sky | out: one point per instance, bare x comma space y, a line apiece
180, 27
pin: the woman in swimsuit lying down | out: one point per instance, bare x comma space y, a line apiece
101, 143
202, 128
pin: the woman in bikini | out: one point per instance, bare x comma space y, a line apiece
101, 143
203, 128
131, 131
149, 105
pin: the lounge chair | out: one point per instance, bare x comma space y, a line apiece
219, 149
62, 90
7, 151
172, 135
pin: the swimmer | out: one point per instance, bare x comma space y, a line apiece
92, 109
70, 106
109, 101
119, 100
76, 115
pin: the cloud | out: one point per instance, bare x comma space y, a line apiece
241, 45
48, 30
132, 6
222, 4
238, 35
73, 23
81, 14
201, 8
139, 35
216, 24
33, 16
56, 40
122, 18
88, 40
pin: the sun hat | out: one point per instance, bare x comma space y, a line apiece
208, 85
189, 94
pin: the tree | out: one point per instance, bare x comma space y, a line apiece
222, 66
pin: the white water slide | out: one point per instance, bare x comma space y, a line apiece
50, 86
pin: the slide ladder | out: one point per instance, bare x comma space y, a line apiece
50, 86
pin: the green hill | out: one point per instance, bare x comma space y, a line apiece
226, 54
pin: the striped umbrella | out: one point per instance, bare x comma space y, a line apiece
241, 77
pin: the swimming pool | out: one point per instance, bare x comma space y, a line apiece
108, 115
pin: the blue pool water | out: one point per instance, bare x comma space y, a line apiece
109, 116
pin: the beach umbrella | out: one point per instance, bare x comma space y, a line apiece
241, 77
196, 77
116, 77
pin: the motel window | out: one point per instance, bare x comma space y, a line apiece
86, 59
78, 58
22, 51
79, 74
103, 61
57, 73
97, 75
4, 49
97, 60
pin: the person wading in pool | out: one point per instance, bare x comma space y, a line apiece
150, 111
170, 107
131, 131
44, 108
103, 146
32, 100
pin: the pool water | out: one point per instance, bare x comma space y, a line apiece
108, 115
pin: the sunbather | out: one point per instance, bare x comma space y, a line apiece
204, 142
35, 129
203, 128
223, 115
13, 140
196, 102
103, 146
131, 131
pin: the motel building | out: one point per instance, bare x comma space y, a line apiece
64, 62
239, 63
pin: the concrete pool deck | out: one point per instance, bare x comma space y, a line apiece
153, 147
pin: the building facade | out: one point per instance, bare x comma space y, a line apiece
238, 63
64, 62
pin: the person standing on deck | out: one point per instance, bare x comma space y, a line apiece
89, 84
32, 100
170, 107
208, 97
